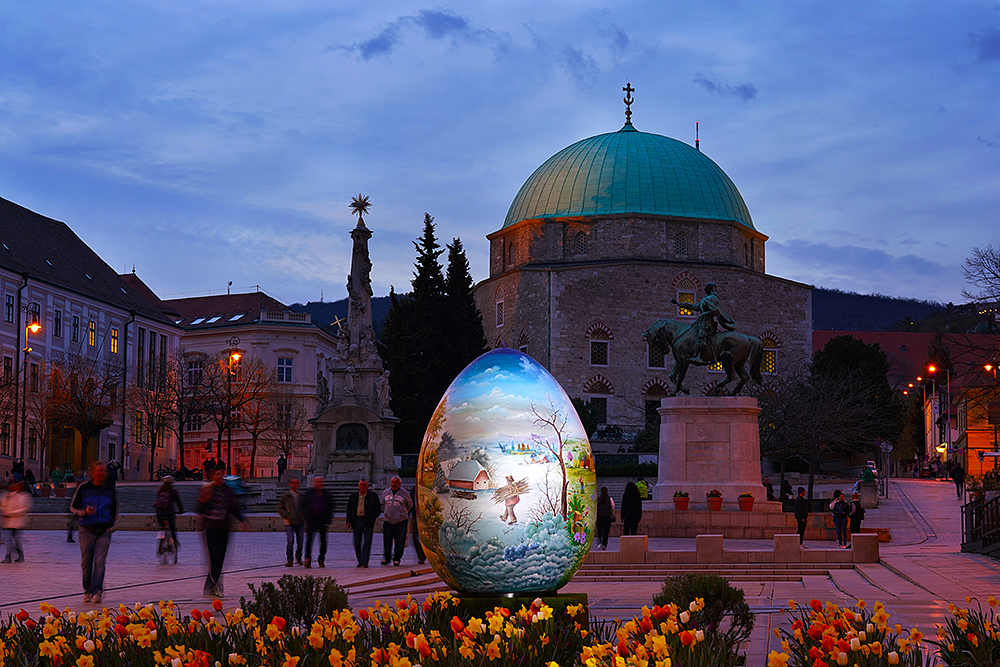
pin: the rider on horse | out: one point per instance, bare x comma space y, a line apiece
710, 318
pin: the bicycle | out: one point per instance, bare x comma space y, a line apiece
166, 548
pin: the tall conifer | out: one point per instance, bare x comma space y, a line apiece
465, 325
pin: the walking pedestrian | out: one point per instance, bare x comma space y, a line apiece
841, 512
415, 529
857, 513
96, 504
958, 474
396, 505
290, 510
801, 514
168, 505
216, 504
631, 509
363, 508
282, 463
317, 510
15, 505
605, 517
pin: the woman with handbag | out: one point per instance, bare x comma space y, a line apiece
605, 517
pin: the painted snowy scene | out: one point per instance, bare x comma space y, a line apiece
506, 480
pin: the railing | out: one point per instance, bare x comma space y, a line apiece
616, 432
981, 525
283, 316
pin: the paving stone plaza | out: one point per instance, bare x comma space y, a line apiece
921, 570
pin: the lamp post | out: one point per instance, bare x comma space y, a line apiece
32, 327
934, 369
234, 356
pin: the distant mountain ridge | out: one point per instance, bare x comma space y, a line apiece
834, 310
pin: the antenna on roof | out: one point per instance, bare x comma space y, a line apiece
321, 296
133, 268
697, 142
229, 286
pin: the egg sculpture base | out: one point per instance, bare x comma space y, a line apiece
505, 481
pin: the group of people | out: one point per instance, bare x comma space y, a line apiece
847, 516
307, 515
631, 511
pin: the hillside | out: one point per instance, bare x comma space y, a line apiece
324, 312
833, 310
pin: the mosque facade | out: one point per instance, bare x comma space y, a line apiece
596, 244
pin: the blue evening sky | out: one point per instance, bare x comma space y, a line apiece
213, 141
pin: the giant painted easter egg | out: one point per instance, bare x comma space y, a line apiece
506, 480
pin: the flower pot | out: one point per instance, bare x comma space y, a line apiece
46, 491
60, 492
681, 502
714, 503
746, 504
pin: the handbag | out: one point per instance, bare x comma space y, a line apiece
612, 517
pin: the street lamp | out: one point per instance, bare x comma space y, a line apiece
234, 357
934, 369
30, 325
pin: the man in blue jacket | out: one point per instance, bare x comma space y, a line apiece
96, 504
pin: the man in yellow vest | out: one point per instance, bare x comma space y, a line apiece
643, 488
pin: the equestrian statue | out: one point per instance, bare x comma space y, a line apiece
701, 343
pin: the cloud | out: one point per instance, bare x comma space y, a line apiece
987, 142
582, 67
986, 44
436, 25
619, 38
746, 92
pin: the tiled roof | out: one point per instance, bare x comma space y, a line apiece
48, 251
221, 310
629, 172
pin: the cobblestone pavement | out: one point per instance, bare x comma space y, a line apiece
922, 570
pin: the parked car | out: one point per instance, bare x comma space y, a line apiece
871, 464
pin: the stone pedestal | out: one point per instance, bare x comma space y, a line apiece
709, 442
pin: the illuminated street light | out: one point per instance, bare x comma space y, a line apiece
31, 325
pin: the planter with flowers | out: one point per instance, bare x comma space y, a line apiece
45, 489
746, 501
714, 500
681, 500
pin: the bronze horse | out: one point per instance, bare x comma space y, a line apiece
731, 349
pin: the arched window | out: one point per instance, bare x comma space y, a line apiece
769, 362
598, 389
655, 356
600, 344
581, 243
653, 393
522, 342
746, 254
510, 253
500, 298
680, 244
686, 292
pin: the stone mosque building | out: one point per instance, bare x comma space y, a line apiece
595, 245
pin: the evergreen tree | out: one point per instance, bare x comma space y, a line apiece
464, 323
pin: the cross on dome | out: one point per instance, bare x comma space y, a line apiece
628, 102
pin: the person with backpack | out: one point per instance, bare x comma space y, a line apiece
841, 512
605, 517
857, 513
801, 514
168, 506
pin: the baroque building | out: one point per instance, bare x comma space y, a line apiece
596, 244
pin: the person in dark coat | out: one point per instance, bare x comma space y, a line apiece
317, 509
96, 504
605, 516
168, 506
415, 529
631, 509
857, 514
958, 474
770, 489
841, 513
801, 514
290, 510
363, 508
786, 491
216, 503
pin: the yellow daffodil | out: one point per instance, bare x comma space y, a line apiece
775, 659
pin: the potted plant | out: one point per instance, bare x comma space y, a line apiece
746, 501
45, 489
60, 490
681, 500
714, 500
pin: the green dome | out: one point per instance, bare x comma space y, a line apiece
629, 172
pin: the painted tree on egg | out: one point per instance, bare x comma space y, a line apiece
553, 419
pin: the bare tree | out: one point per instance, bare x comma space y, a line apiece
85, 396
153, 409
289, 423
549, 501
229, 386
552, 419
982, 271
185, 384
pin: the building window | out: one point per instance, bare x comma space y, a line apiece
599, 352
35, 312
114, 341
680, 244
140, 434
194, 422
655, 358
746, 254
522, 342
284, 421
163, 362
5, 439
753, 262
510, 253
715, 368
685, 297
76, 329
92, 334
769, 362
32, 443
581, 243
600, 408
499, 313
194, 370
34, 377
8, 370
151, 362
57, 325
284, 369
8, 311
140, 375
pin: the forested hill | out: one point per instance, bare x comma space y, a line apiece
833, 310
324, 312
